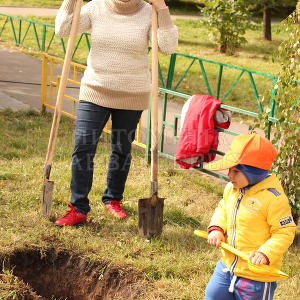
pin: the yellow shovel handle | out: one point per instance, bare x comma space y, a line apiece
225, 246
261, 269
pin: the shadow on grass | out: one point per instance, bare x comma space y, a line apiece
177, 217
194, 43
261, 47
173, 217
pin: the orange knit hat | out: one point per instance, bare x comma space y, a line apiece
247, 149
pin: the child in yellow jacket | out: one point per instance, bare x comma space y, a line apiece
254, 216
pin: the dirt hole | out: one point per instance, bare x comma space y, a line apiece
62, 275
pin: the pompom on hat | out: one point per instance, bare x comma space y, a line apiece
247, 149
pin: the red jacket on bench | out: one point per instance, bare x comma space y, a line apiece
198, 135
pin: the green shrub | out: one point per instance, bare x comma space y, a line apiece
228, 20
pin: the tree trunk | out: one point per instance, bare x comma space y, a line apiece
295, 217
298, 12
267, 24
223, 48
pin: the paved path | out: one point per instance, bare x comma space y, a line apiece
20, 78
9, 102
28, 11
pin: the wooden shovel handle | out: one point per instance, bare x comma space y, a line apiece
63, 83
154, 104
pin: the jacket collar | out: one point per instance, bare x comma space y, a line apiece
269, 182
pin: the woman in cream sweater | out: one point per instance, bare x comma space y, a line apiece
116, 84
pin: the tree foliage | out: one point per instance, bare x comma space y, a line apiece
228, 20
258, 4
267, 6
286, 131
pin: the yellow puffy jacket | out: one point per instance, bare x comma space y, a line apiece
255, 219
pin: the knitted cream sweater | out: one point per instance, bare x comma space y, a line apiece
117, 73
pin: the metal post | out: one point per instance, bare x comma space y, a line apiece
20, 31
272, 108
165, 99
44, 83
219, 82
44, 38
36, 36
13, 29
205, 78
255, 92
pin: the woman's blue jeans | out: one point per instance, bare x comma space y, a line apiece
91, 119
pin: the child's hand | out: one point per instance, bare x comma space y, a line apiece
258, 258
215, 238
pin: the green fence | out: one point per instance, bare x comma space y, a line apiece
180, 76
40, 36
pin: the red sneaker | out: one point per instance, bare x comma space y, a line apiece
116, 209
71, 218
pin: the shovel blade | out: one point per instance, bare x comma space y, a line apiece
268, 271
150, 213
47, 195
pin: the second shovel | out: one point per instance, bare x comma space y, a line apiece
47, 191
150, 210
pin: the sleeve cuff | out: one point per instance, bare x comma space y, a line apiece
213, 228
164, 18
266, 252
266, 257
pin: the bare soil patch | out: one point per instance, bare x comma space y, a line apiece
58, 274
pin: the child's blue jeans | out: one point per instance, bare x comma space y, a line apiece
243, 289
91, 119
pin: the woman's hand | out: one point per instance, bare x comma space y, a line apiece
158, 4
258, 258
215, 238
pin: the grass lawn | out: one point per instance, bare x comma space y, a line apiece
176, 266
